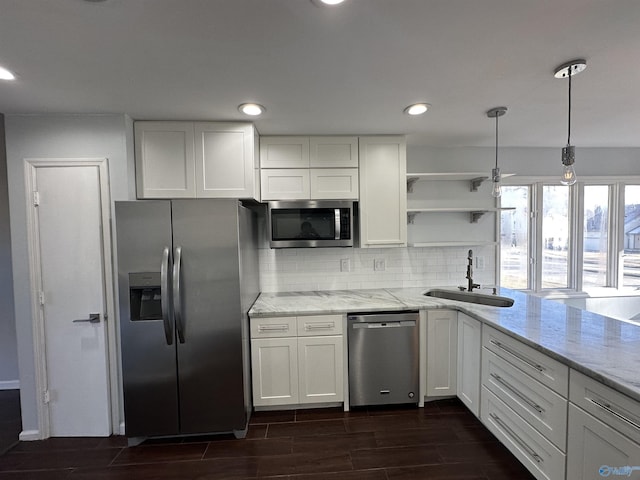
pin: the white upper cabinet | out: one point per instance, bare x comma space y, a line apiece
309, 168
224, 154
164, 160
383, 191
189, 160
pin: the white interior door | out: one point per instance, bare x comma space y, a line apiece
69, 231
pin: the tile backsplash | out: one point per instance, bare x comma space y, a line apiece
299, 269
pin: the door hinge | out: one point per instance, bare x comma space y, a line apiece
41, 297
36, 199
46, 397
532, 261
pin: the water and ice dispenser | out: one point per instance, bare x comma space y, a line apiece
145, 296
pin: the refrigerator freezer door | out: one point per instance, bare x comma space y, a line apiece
210, 360
148, 362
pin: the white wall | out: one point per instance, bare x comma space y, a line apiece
54, 136
8, 346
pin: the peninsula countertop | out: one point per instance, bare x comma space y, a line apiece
603, 348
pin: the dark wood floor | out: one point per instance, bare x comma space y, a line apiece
10, 421
441, 441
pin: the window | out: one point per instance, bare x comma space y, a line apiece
514, 237
555, 235
631, 259
595, 236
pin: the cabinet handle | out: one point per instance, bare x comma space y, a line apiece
518, 393
530, 451
607, 407
319, 326
273, 328
519, 356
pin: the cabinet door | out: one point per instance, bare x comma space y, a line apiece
284, 152
224, 160
383, 192
274, 365
333, 152
320, 367
442, 352
595, 450
334, 183
285, 184
165, 165
469, 347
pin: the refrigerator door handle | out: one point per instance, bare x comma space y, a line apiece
177, 302
164, 297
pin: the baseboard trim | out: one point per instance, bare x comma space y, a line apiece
29, 435
10, 385
122, 430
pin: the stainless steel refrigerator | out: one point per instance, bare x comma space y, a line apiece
188, 274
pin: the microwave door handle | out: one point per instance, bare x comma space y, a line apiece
337, 220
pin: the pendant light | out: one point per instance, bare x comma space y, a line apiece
568, 70
496, 188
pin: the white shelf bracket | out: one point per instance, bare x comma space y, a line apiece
411, 181
476, 182
411, 216
475, 216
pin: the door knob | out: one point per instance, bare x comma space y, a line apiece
93, 318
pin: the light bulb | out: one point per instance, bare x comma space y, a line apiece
568, 175
496, 188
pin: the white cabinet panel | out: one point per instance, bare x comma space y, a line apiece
333, 152
546, 370
224, 155
284, 152
319, 325
595, 449
469, 348
273, 327
442, 353
383, 195
320, 367
334, 183
540, 406
274, 366
539, 455
285, 184
164, 160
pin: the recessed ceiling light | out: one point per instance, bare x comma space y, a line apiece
322, 3
6, 74
417, 109
252, 109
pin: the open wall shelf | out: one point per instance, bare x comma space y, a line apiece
475, 179
474, 213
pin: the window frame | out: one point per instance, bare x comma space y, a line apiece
575, 257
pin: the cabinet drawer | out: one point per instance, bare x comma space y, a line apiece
319, 325
273, 327
538, 454
546, 370
595, 450
544, 409
604, 403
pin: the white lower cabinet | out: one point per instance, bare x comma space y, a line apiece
442, 351
468, 375
297, 360
604, 431
543, 459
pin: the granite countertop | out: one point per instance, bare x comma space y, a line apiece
603, 348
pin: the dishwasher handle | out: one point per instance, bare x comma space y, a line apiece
391, 324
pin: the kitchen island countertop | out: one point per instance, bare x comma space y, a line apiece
603, 348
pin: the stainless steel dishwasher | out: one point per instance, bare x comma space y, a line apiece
383, 358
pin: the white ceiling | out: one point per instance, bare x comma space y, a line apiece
341, 70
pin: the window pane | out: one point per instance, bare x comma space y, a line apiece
631, 259
555, 236
514, 237
595, 246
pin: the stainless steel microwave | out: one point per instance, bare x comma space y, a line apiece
302, 224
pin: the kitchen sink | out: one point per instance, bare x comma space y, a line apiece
471, 297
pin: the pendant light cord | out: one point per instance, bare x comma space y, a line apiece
569, 116
497, 139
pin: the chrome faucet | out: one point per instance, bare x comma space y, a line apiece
469, 276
